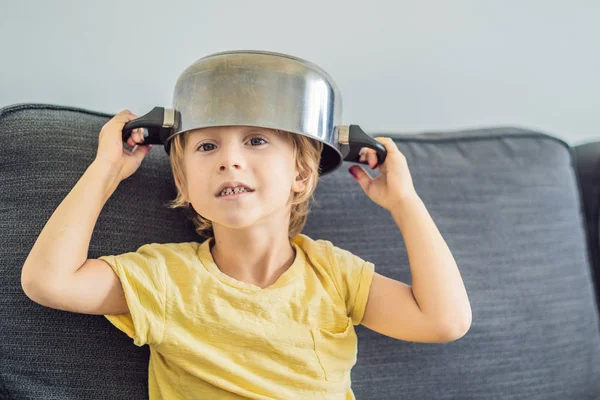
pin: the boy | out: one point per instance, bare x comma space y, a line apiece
258, 310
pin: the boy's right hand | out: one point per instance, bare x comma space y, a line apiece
110, 145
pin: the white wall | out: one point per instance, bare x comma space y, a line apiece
402, 66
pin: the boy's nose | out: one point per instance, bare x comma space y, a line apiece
232, 166
231, 158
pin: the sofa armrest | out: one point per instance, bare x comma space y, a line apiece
586, 159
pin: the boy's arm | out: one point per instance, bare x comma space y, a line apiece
436, 308
62, 246
57, 273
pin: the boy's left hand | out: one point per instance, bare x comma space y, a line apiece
394, 184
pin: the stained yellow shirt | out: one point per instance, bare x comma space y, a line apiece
214, 337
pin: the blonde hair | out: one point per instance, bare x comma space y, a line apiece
307, 153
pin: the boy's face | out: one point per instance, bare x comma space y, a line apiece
258, 157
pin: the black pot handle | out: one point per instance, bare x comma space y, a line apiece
160, 123
352, 139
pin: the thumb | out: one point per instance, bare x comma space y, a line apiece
361, 176
141, 151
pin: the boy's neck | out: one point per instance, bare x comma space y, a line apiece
259, 263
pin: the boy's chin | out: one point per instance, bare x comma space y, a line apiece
234, 223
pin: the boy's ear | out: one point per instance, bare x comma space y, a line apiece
300, 182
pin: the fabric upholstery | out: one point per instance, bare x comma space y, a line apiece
505, 199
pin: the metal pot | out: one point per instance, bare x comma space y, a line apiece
264, 89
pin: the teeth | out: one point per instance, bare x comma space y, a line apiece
233, 191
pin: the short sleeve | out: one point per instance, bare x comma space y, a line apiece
354, 276
143, 278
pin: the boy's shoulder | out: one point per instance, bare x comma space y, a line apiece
174, 245
322, 249
309, 244
180, 248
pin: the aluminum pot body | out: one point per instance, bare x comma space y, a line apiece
263, 89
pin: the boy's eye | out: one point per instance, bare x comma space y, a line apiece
205, 144
201, 146
259, 138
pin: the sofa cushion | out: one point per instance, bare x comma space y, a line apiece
51, 353
505, 200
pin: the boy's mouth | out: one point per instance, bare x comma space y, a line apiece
234, 192
232, 187
229, 195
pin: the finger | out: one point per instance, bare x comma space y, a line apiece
361, 176
364, 154
372, 159
139, 136
140, 151
369, 156
135, 138
123, 117
118, 122
361, 154
387, 142
130, 140
390, 146
128, 112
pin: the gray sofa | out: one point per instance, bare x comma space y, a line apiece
510, 203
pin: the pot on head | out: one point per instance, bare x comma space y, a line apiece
263, 89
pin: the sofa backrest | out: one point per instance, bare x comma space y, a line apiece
505, 199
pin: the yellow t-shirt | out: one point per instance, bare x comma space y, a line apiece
214, 337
